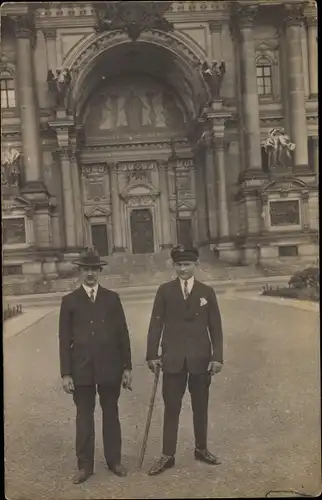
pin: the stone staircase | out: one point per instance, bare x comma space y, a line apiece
127, 270
287, 266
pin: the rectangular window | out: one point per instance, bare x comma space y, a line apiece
264, 79
8, 95
288, 251
12, 270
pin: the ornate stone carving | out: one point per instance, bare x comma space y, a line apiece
244, 15
23, 26
50, 33
213, 77
132, 17
97, 169
293, 14
10, 168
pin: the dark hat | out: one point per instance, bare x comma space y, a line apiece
180, 253
90, 258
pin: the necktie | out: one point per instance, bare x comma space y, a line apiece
92, 295
185, 290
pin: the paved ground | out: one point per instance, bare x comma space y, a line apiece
264, 413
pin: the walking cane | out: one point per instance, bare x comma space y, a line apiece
148, 422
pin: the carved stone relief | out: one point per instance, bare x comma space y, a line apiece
284, 213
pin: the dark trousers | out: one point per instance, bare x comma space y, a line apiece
84, 399
173, 388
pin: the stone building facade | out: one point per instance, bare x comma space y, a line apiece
142, 155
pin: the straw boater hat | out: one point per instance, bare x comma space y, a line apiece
90, 258
181, 253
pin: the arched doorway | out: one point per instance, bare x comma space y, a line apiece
132, 100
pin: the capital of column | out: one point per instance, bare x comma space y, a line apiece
310, 14
215, 26
65, 152
293, 15
220, 143
50, 33
23, 26
244, 15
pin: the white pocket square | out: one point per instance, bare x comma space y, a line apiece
203, 301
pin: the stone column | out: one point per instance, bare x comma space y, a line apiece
222, 188
244, 17
165, 210
293, 18
69, 209
39, 54
311, 20
77, 199
27, 102
116, 210
211, 186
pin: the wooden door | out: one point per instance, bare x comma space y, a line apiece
99, 238
142, 231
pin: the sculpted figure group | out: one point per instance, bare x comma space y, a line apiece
95, 357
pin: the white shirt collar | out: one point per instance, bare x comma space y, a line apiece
190, 283
89, 288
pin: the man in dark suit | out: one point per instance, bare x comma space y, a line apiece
186, 314
95, 354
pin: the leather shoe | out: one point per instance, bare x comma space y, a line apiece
118, 469
207, 457
81, 476
161, 465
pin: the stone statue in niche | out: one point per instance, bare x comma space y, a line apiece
60, 86
10, 168
213, 77
278, 148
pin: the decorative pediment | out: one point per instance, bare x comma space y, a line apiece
285, 184
183, 206
137, 189
15, 204
266, 46
98, 212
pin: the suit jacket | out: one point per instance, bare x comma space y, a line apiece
190, 331
94, 343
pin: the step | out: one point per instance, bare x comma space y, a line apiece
143, 293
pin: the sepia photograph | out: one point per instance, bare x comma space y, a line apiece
160, 249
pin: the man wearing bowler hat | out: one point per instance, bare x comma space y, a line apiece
95, 355
186, 314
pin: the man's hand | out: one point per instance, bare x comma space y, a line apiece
68, 384
127, 380
153, 364
214, 367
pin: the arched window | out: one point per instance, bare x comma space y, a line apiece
264, 76
8, 93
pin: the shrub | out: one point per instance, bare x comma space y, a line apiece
307, 278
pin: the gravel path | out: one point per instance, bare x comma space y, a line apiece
264, 413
